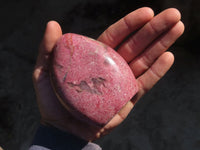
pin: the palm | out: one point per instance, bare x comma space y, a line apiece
144, 51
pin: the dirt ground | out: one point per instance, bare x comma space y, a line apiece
167, 118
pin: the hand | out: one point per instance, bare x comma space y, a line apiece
144, 51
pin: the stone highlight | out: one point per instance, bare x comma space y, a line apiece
90, 79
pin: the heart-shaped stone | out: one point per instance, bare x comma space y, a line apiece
90, 79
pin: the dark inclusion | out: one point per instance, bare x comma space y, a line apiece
94, 88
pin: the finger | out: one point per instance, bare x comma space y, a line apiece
154, 74
118, 118
52, 33
146, 59
116, 33
152, 30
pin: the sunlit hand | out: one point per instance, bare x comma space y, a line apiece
144, 50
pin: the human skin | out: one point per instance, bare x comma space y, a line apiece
144, 51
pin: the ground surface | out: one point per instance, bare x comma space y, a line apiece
167, 118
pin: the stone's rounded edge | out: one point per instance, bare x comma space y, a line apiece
66, 105
70, 107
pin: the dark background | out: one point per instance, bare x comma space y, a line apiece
167, 118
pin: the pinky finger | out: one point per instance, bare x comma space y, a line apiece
147, 80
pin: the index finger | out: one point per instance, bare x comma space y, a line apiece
116, 33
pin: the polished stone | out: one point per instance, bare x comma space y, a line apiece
91, 79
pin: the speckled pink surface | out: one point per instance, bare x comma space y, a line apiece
91, 80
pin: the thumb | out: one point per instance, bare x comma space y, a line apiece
52, 33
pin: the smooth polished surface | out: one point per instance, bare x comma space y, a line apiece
91, 80
167, 118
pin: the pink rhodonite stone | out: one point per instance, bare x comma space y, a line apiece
90, 79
